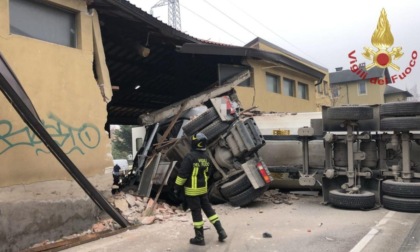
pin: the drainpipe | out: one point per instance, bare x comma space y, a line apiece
347, 93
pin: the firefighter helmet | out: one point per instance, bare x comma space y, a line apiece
199, 141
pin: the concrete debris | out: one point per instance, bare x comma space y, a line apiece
121, 204
277, 197
131, 200
133, 209
148, 220
98, 227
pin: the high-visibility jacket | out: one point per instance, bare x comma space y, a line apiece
194, 172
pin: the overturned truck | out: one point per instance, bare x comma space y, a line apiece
361, 157
240, 174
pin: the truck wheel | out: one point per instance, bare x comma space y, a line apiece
400, 109
401, 189
400, 123
401, 204
215, 196
236, 186
200, 122
350, 113
247, 196
215, 129
341, 199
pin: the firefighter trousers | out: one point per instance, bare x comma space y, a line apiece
198, 203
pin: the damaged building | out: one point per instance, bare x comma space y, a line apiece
86, 65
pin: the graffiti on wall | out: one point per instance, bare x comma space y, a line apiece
70, 139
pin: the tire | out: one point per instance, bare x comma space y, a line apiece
340, 199
215, 196
400, 123
236, 186
401, 189
247, 196
401, 204
350, 113
400, 109
215, 129
200, 122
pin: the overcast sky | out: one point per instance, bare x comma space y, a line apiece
323, 31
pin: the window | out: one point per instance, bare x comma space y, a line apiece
362, 88
325, 88
288, 87
322, 88
272, 82
247, 82
335, 91
303, 91
44, 22
319, 88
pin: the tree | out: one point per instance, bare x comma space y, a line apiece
414, 92
121, 142
334, 95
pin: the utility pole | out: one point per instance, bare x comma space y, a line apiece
174, 14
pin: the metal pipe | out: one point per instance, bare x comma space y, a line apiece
359, 163
305, 152
143, 155
406, 172
350, 157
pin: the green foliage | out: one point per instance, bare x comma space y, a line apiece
121, 142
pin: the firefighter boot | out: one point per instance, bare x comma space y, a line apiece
220, 231
199, 237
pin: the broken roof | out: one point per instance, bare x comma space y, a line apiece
285, 52
178, 66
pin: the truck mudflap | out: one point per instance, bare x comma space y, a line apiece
257, 172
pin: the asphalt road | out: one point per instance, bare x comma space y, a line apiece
305, 225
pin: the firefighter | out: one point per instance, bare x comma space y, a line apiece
192, 178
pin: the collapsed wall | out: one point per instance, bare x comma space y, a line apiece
49, 210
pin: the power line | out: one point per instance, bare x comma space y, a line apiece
213, 24
263, 25
233, 20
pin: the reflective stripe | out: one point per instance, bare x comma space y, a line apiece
198, 224
195, 191
213, 218
180, 181
194, 176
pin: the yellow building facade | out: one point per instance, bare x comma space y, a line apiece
55, 67
349, 88
275, 87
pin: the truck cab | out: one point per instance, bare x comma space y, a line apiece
240, 174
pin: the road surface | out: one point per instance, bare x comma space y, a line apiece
305, 225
